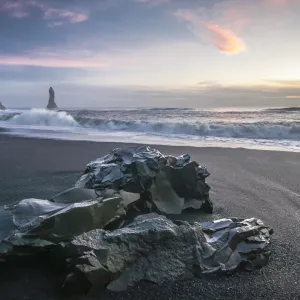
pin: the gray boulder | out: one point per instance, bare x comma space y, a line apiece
93, 229
51, 102
35, 222
89, 237
165, 183
2, 107
155, 249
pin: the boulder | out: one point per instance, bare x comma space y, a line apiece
102, 234
51, 102
165, 183
42, 222
155, 249
2, 107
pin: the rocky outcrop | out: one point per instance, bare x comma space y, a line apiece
2, 107
155, 249
165, 183
151, 248
51, 102
51, 221
103, 235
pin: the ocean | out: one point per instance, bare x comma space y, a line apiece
274, 129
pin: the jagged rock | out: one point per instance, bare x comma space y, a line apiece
2, 107
155, 249
42, 222
51, 102
98, 231
129, 198
166, 183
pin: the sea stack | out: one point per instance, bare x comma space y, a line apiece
51, 103
2, 107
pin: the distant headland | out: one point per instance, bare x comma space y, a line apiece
2, 107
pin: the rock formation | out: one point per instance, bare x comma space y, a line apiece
154, 249
2, 107
51, 102
165, 183
111, 230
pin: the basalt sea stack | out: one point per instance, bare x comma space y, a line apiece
51, 103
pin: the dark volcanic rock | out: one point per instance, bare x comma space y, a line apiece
2, 107
38, 223
152, 248
51, 102
101, 234
165, 183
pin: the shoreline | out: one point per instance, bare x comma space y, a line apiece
244, 183
72, 137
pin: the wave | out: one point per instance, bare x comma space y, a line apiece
166, 108
268, 131
43, 117
285, 109
250, 131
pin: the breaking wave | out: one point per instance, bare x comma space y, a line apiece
252, 131
43, 117
284, 109
62, 119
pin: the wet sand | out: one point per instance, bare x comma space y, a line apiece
245, 183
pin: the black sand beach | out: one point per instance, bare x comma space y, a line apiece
245, 183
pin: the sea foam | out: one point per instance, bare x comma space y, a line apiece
44, 117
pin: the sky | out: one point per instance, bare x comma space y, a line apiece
148, 53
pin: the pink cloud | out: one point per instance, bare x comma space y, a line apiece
223, 39
70, 56
11, 5
234, 19
51, 62
154, 2
55, 16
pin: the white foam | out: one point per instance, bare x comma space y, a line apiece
44, 117
63, 120
92, 125
266, 131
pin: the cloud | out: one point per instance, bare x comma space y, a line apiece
52, 62
283, 83
54, 16
71, 95
293, 97
19, 14
152, 2
223, 39
225, 22
208, 84
67, 57
280, 3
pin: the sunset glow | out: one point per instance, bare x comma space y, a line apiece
225, 40
168, 47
